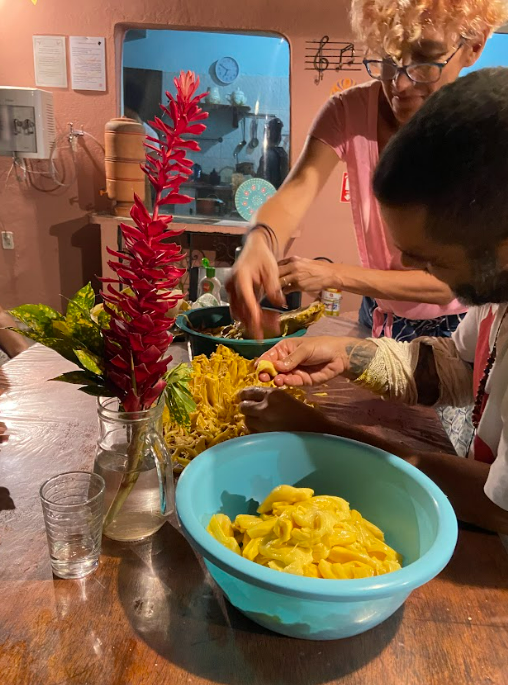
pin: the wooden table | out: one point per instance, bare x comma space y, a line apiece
150, 614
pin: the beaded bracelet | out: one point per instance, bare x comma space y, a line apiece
274, 243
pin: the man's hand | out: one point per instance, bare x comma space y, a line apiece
268, 409
312, 361
307, 275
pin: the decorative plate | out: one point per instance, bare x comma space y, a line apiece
251, 195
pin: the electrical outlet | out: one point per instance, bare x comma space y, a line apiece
8, 240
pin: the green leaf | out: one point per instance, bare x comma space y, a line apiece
90, 384
82, 335
97, 391
77, 338
76, 377
28, 333
104, 319
85, 331
88, 334
35, 310
60, 345
179, 374
89, 361
61, 329
37, 317
81, 304
179, 400
100, 316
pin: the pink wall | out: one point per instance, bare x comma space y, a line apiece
56, 248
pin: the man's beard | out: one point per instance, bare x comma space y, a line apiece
490, 283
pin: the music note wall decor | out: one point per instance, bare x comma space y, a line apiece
324, 54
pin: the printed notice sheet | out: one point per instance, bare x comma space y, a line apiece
50, 61
88, 63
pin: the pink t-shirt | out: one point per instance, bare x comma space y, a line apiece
348, 124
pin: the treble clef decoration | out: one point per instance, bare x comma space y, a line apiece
321, 63
324, 54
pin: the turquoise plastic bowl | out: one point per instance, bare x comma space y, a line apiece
235, 476
213, 317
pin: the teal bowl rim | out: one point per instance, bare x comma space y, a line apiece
228, 341
404, 581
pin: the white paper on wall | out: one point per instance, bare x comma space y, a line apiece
88, 63
50, 61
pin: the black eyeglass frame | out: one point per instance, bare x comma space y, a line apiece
405, 69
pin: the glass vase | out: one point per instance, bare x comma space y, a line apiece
137, 469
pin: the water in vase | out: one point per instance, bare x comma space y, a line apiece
140, 515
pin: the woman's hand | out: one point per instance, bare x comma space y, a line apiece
308, 361
254, 273
308, 275
268, 409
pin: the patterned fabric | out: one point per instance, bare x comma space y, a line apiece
456, 420
483, 328
405, 330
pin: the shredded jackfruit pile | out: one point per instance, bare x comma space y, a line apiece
214, 385
306, 535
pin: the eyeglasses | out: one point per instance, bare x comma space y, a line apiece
418, 72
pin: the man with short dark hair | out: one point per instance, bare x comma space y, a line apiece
274, 162
442, 183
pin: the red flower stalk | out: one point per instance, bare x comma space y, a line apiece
138, 336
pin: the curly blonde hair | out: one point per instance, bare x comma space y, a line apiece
389, 24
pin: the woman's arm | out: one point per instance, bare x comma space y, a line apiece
12, 343
285, 210
256, 270
309, 275
410, 286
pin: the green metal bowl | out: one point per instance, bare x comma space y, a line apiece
213, 317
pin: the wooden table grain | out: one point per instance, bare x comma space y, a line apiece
150, 614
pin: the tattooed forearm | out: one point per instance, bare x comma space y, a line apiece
360, 354
426, 377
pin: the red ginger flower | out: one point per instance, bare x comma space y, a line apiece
138, 336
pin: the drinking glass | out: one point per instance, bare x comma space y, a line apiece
72, 504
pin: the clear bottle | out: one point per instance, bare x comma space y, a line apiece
210, 283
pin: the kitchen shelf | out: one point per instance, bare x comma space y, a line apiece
199, 185
224, 106
237, 111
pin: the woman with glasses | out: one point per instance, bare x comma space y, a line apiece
413, 49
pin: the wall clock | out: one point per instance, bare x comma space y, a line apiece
227, 70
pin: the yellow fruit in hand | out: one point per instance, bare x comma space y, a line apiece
264, 366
